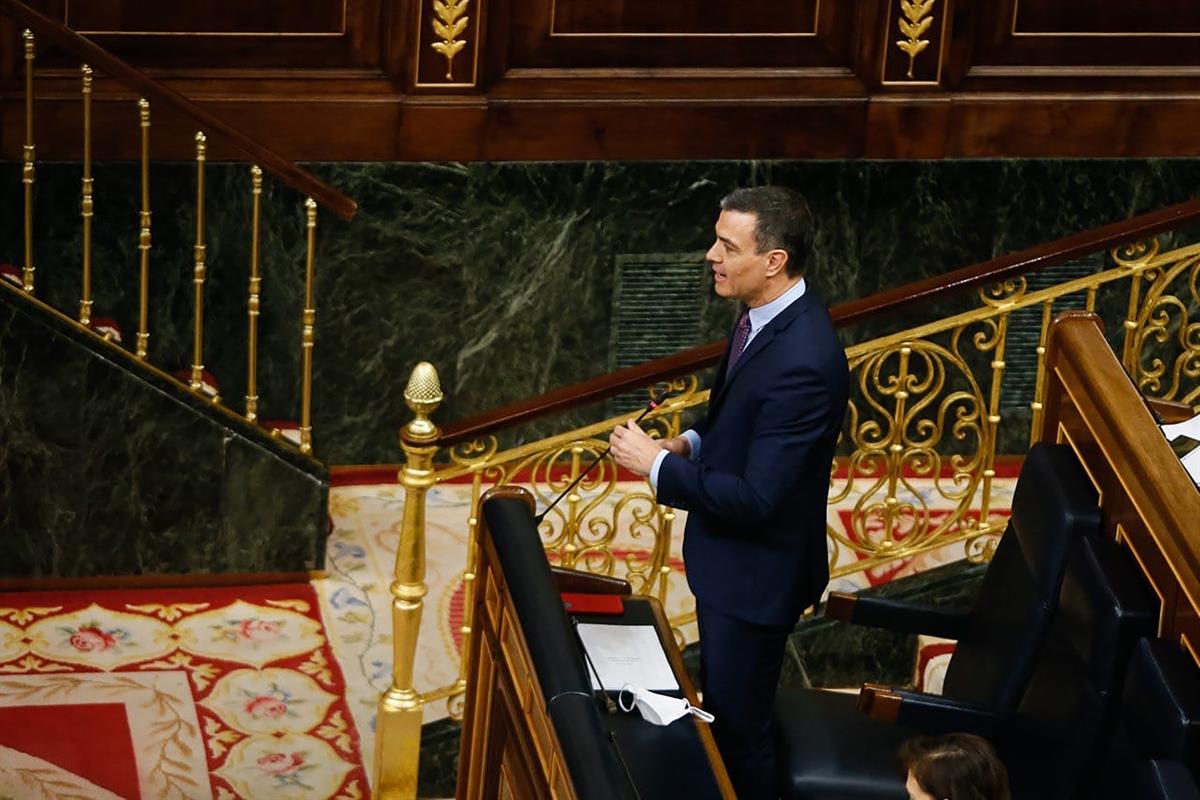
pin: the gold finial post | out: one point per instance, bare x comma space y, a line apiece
398, 734
310, 321
27, 172
198, 271
255, 283
143, 337
85, 303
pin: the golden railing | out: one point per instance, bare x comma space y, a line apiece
123, 78
917, 463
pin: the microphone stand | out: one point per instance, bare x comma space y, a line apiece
655, 402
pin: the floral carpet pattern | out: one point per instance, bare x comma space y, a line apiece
270, 691
218, 693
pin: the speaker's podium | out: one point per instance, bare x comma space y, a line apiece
533, 727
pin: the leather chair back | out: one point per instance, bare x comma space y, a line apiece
1068, 709
1053, 506
1155, 748
555, 652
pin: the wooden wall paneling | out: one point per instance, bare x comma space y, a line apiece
1081, 17
622, 130
232, 35
588, 79
1088, 43
311, 17
615, 34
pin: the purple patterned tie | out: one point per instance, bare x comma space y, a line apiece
740, 337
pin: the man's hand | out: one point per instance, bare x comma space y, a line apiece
633, 449
679, 445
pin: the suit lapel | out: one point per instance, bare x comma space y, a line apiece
760, 342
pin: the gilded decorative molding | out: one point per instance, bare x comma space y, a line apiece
915, 21
449, 23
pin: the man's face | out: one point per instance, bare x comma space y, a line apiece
739, 272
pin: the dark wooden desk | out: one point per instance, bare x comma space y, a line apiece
1150, 505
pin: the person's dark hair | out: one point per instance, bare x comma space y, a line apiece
957, 766
782, 222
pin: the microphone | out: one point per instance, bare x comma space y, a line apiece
655, 402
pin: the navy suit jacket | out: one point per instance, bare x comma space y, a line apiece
755, 541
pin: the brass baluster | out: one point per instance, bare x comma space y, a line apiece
85, 304
466, 630
197, 382
143, 337
994, 418
1039, 389
27, 174
255, 282
310, 319
398, 736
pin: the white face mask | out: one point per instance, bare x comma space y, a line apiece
659, 709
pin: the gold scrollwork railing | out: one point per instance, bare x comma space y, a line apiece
917, 467
194, 377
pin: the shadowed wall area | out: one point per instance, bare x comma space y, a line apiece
501, 274
106, 470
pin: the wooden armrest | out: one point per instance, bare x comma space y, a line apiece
580, 582
840, 605
879, 702
1170, 411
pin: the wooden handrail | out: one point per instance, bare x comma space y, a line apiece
687, 361
103, 61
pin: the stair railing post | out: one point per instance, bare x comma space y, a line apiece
86, 209
198, 269
27, 171
143, 336
401, 707
309, 322
253, 303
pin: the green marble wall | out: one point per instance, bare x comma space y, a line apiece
106, 470
501, 274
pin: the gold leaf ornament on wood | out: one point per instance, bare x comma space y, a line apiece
449, 22
916, 18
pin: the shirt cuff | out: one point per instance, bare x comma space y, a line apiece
658, 459
693, 439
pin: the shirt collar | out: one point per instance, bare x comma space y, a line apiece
761, 316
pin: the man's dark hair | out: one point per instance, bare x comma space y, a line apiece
956, 766
782, 222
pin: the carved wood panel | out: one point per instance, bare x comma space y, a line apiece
237, 17
619, 79
229, 35
1066, 34
627, 34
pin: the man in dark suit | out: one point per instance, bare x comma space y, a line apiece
753, 475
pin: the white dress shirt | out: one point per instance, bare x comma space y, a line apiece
759, 318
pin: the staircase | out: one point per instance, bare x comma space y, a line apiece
119, 454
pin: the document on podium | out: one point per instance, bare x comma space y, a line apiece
1184, 438
627, 654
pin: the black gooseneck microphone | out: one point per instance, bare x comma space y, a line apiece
655, 402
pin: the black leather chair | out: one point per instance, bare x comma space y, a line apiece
828, 749
1055, 741
1154, 751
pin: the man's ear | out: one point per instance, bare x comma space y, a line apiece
776, 262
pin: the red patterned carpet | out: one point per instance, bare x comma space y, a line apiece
173, 693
